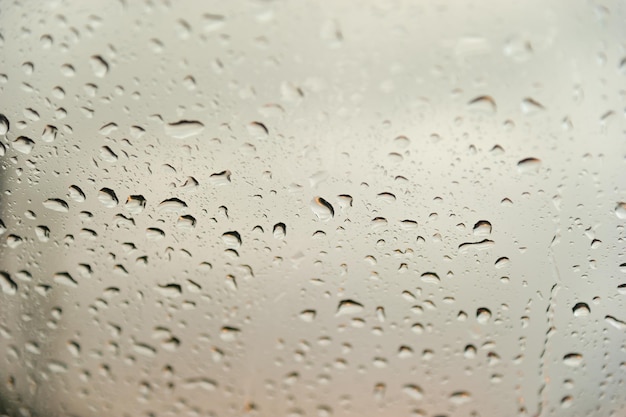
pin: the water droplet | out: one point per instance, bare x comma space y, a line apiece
169, 290
108, 128
413, 391
229, 334
618, 324
184, 129
430, 278
66, 279
4, 125
49, 134
172, 205
23, 144
8, 286
460, 397
482, 228
620, 210
581, 310
107, 197
56, 204
531, 106
76, 194
258, 130
567, 401
482, 245
502, 262
201, 383
483, 104
107, 155
144, 350
322, 209
347, 307
470, 352
483, 315
99, 66
57, 367
135, 204
529, 165
186, 222
232, 239
43, 233
154, 233
220, 178
573, 359
280, 230
405, 352
307, 315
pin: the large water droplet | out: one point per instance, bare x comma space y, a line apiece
620, 210
529, 165
322, 209
107, 197
347, 307
581, 310
24, 145
99, 66
172, 205
483, 104
618, 324
413, 391
56, 204
483, 315
460, 397
4, 125
184, 129
573, 359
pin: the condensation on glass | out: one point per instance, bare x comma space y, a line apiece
313, 208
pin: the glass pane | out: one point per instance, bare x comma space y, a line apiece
312, 208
